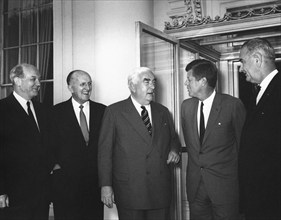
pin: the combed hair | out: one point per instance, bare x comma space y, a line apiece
259, 44
69, 76
134, 76
204, 68
18, 70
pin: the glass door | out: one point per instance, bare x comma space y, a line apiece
168, 57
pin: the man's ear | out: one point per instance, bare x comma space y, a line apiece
204, 81
70, 88
17, 81
132, 87
258, 58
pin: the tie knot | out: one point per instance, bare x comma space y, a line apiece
258, 87
28, 103
143, 108
81, 107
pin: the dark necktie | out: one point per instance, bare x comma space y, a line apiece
257, 89
30, 114
83, 125
146, 120
202, 123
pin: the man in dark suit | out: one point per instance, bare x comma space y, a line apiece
24, 158
77, 126
212, 125
259, 157
137, 144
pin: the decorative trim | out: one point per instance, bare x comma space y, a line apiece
179, 22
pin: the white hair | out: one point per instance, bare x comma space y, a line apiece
134, 76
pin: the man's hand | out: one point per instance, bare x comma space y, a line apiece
173, 157
107, 196
4, 201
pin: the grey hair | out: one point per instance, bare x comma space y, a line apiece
135, 75
259, 44
18, 70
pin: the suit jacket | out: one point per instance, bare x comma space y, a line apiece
259, 158
77, 159
216, 160
132, 161
25, 162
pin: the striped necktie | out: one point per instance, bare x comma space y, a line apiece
146, 120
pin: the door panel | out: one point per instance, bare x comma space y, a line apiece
168, 57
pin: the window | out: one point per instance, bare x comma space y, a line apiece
27, 37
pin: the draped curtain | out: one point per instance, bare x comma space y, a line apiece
33, 19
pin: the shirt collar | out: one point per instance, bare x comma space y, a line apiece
22, 100
208, 101
268, 79
138, 106
77, 104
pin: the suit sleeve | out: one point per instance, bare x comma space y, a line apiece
105, 148
175, 143
2, 154
239, 115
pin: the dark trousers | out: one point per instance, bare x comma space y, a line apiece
202, 208
150, 214
34, 208
75, 199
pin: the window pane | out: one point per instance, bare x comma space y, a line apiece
46, 24
29, 27
28, 55
46, 61
10, 60
11, 29
46, 93
11, 5
9, 90
28, 3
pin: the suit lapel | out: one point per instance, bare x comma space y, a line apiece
157, 118
195, 126
267, 93
215, 110
268, 90
134, 119
70, 115
21, 112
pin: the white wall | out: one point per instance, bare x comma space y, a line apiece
115, 45
99, 37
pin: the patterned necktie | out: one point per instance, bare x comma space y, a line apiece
202, 123
146, 120
30, 114
83, 125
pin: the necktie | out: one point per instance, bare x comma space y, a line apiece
30, 114
202, 123
257, 89
83, 124
146, 120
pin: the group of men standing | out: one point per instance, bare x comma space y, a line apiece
82, 155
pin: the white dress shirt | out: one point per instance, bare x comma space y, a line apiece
139, 109
265, 83
23, 102
206, 109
